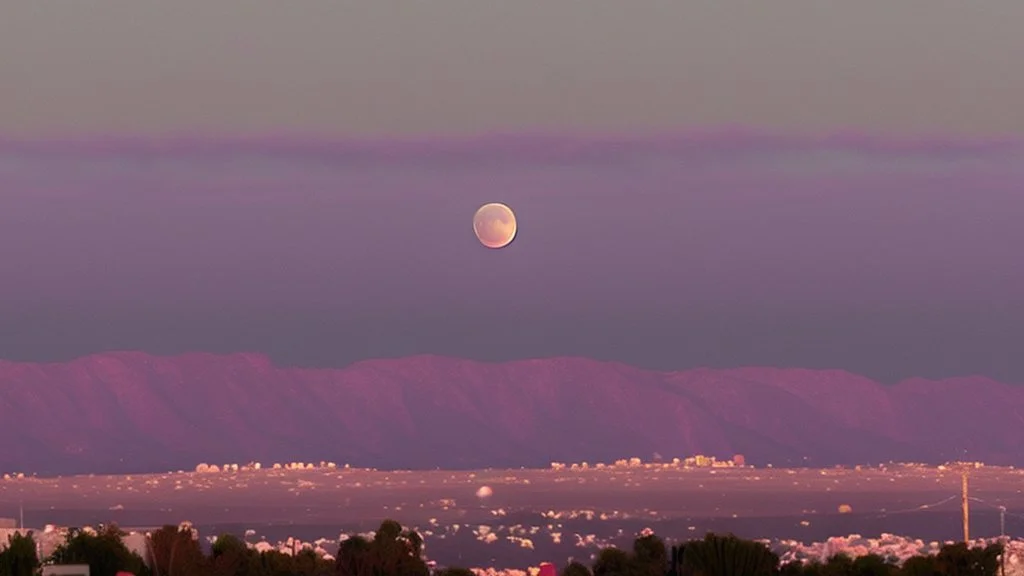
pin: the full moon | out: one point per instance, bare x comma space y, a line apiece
495, 225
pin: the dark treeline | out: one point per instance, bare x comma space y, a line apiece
395, 551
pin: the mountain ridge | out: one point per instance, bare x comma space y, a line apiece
125, 411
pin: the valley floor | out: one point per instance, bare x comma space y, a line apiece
533, 514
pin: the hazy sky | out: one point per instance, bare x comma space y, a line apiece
451, 66
887, 259
890, 260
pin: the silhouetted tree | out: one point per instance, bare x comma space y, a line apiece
959, 560
920, 566
272, 563
176, 552
104, 553
650, 556
454, 572
395, 551
873, 565
230, 556
797, 568
843, 565
309, 563
353, 557
392, 552
838, 565
727, 556
575, 569
19, 558
614, 562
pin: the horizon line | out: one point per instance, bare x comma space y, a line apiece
262, 356
855, 138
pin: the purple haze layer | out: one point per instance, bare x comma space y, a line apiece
890, 259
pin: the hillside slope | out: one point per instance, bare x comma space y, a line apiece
130, 412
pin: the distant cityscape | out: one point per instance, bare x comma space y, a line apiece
695, 461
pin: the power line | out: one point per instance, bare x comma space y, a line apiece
1001, 507
883, 512
965, 499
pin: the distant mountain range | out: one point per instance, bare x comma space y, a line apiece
132, 412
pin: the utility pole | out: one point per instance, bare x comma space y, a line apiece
964, 506
1002, 540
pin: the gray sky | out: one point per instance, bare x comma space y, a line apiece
452, 66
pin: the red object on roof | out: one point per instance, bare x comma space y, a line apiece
547, 569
